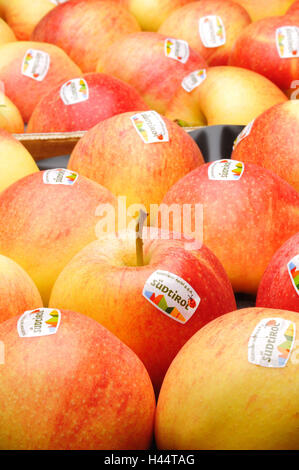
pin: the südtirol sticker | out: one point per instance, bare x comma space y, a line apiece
212, 31
293, 268
39, 322
287, 41
243, 134
194, 79
74, 91
172, 295
177, 49
35, 64
60, 176
150, 127
226, 170
271, 342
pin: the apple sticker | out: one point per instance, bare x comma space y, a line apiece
287, 41
293, 269
150, 127
194, 79
212, 31
35, 64
74, 91
60, 176
226, 170
177, 49
39, 322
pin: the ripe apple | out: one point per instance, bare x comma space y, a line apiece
106, 277
270, 47
71, 386
248, 213
85, 29
6, 33
217, 395
152, 63
151, 13
81, 103
259, 9
22, 16
46, 218
114, 154
294, 9
223, 95
209, 26
279, 287
17, 290
29, 69
15, 161
10, 117
272, 141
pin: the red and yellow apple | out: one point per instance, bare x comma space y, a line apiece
81, 103
85, 29
209, 26
294, 9
272, 141
10, 117
217, 396
77, 388
18, 292
224, 95
114, 154
15, 161
259, 9
270, 47
152, 63
279, 287
104, 281
46, 218
29, 69
248, 213
6, 33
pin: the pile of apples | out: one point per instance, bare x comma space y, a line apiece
119, 326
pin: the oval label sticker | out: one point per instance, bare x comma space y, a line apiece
39, 322
226, 170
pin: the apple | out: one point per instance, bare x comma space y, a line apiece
225, 391
69, 384
259, 9
222, 95
151, 13
10, 117
6, 33
248, 213
15, 161
17, 290
152, 63
46, 218
153, 321
270, 47
22, 16
209, 26
29, 69
137, 155
272, 141
81, 103
294, 9
279, 287
85, 29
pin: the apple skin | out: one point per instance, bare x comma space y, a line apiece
98, 393
106, 269
141, 172
183, 23
85, 29
256, 49
43, 225
294, 9
15, 161
273, 142
6, 33
259, 9
276, 289
107, 96
24, 91
18, 292
244, 221
139, 59
22, 16
211, 390
228, 95
11, 119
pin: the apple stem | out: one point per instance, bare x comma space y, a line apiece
139, 242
